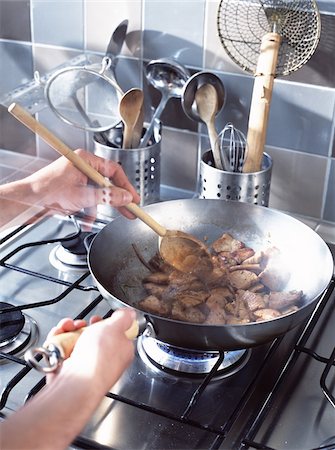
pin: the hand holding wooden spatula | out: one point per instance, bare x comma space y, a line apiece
181, 250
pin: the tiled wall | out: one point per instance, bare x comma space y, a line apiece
42, 34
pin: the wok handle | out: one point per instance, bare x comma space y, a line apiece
65, 342
260, 102
36, 127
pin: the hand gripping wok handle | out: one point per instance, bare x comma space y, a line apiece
65, 342
36, 127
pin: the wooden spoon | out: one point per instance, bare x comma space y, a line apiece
206, 99
130, 109
181, 250
138, 129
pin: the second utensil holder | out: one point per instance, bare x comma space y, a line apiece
244, 187
141, 165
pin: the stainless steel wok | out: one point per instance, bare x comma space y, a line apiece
118, 272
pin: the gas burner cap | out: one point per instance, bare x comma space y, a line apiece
17, 345
11, 323
186, 361
71, 254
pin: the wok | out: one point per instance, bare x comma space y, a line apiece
118, 272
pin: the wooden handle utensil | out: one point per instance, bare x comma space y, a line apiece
260, 102
36, 127
176, 248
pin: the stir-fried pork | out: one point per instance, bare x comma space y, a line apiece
243, 287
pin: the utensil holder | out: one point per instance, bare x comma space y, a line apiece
141, 165
244, 187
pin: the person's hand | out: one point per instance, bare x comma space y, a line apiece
61, 186
102, 351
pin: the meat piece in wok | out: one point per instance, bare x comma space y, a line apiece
244, 287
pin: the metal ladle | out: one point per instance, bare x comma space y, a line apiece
181, 250
169, 77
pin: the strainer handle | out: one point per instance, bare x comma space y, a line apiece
260, 102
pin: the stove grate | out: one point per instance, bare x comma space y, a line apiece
300, 348
185, 417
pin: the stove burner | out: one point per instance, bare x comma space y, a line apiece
71, 254
18, 344
185, 361
11, 323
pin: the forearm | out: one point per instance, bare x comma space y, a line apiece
55, 416
15, 198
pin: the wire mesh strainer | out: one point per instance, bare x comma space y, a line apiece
267, 38
243, 23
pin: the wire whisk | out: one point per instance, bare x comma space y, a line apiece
233, 148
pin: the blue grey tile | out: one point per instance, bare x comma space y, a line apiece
16, 66
129, 73
236, 107
179, 162
15, 136
15, 20
297, 182
326, 6
47, 59
170, 31
15, 70
58, 22
301, 118
329, 211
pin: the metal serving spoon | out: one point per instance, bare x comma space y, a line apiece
181, 250
130, 109
169, 77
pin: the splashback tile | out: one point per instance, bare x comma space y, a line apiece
297, 182
16, 66
174, 29
58, 23
216, 57
16, 69
301, 117
179, 155
47, 59
14, 136
329, 210
16, 20
108, 15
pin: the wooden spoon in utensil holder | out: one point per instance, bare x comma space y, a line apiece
130, 108
206, 99
181, 250
260, 101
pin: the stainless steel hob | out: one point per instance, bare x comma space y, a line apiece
274, 396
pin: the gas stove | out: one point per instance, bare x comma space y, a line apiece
275, 396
